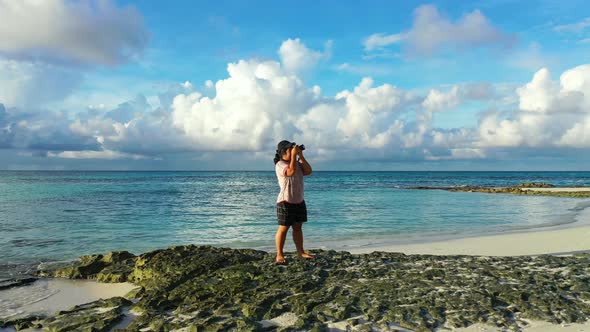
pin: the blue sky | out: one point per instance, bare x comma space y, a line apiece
373, 85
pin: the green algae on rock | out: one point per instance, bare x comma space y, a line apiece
113, 267
99, 315
16, 282
204, 288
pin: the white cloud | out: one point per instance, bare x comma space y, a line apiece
262, 102
551, 113
455, 138
432, 32
175, 89
254, 104
379, 40
365, 69
542, 94
297, 58
436, 100
88, 32
574, 27
370, 111
577, 136
103, 154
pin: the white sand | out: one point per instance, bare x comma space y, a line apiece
560, 189
284, 320
48, 296
535, 326
560, 241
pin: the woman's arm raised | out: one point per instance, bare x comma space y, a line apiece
304, 164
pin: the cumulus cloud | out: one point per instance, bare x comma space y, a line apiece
165, 98
371, 112
550, 113
296, 57
93, 32
437, 100
432, 32
262, 102
250, 107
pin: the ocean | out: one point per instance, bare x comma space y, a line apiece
48, 216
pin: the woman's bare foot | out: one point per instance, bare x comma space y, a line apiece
280, 259
306, 255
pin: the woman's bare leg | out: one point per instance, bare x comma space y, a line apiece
298, 239
280, 243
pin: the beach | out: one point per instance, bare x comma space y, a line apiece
555, 242
292, 166
437, 267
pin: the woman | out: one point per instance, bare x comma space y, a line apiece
291, 209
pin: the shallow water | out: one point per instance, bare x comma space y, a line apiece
48, 296
49, 216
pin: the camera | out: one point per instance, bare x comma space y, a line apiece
301, 147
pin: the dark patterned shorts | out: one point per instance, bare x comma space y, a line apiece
289, 214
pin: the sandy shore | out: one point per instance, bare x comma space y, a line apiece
535, 326
559, 189
47, 296
559, 241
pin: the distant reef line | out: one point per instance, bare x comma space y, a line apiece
527, 188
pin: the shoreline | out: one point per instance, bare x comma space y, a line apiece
47, 296
561, 241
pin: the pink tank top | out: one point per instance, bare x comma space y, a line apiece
291, 186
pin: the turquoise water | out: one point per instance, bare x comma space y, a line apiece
49, 216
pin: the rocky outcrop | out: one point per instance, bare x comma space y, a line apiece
15, 282
535, 185
113, 267
203, 288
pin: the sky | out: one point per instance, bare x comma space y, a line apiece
372, 85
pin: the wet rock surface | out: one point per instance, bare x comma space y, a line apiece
520, 189
15, 282
203, 288
112, 267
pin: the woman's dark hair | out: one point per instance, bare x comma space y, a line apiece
281, 148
